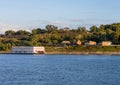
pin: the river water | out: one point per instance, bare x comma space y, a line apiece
59, 69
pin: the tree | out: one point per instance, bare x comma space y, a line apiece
22, 32
38, 31
93, 29
114, 37
79, 37
66, 29
101, 28
51, 28
9, 32
81, 29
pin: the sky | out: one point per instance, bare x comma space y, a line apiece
30, 14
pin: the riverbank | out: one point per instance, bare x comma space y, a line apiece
85, 53
4, 52
74, 53
80, 50
97, 50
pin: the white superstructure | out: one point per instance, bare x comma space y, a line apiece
28, 49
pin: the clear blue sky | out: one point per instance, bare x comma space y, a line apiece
62, 13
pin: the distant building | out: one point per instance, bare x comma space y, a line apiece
78, 42
90, 43
28, 49
106, 43
66, 43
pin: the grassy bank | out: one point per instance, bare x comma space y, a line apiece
80, 50
84, 50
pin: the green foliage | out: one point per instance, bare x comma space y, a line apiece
84, 49
38, 31
51, 28
81, 29
9, 32
52, 36
22, 32
93, 29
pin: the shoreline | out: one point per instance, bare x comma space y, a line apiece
85, 53
70, 53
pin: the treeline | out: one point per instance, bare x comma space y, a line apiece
53, 36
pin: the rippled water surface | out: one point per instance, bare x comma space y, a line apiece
59, 69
